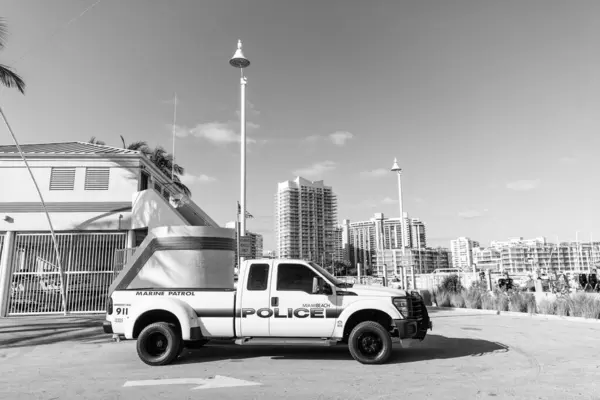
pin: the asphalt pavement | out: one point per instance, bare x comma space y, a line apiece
467, 356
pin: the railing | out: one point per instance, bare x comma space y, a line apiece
88, 266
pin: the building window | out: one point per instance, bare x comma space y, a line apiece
62, 178
144, 181
97, 178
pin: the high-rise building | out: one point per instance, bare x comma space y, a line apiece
418, 237
462, 253
305, 218
251, 245
365, 238
527, 255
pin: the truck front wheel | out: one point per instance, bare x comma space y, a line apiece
370, 343
158, 344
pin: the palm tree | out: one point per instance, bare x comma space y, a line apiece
163, 160
8, 77
93, 140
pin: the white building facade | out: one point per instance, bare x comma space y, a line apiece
462, 253
305, 220
102, 201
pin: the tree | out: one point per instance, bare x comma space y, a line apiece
93, 140
163, 160
8, 77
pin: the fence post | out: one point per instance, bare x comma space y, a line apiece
5, 272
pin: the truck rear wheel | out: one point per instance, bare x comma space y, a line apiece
158, 344
370, 343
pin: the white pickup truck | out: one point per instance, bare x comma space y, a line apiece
277, 301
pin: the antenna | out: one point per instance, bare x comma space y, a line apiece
174, 121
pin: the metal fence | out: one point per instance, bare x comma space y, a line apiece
122, 256
88, 264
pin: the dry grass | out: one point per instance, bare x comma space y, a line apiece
476, 297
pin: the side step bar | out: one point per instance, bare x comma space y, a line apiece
286, 342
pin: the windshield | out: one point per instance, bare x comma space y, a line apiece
328, 276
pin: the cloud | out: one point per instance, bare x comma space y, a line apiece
375, 173
389, 200
567, 160
317, 169
523, 184
216, 132
191, 179
250, 110
471, 214
339, 138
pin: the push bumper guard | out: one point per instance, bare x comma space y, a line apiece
417, 323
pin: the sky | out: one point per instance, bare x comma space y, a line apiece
491, 108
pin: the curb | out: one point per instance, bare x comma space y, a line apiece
519, 314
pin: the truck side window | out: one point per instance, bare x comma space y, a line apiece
295, 277
258, 277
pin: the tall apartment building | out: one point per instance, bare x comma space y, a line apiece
251, 245
418, 237
364, 239
462, 253
419, 260
305, 220
526, 255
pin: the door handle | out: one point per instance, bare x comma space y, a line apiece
274, 301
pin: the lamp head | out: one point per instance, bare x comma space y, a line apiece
238, 60
395, 167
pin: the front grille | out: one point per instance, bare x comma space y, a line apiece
419, 312
416, 306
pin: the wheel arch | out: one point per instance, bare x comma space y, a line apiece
167, 310
365, 310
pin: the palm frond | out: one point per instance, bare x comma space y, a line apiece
93, 140
3, 32
183, 188
11, 79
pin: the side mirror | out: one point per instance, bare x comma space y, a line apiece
315, 286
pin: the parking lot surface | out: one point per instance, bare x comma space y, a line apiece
466, 356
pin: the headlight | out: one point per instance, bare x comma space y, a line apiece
401, 304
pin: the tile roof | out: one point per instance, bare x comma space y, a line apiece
74, 148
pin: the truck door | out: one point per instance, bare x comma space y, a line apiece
254, 299
296, 311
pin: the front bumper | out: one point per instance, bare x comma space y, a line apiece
107, 327
412, 328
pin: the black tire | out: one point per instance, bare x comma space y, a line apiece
370, 343
159, 344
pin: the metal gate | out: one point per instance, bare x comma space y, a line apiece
88, 263
121, 258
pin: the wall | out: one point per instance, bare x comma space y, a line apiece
77, 209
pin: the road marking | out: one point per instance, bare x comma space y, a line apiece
210, 383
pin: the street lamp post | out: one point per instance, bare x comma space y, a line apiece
398, 170
239, 61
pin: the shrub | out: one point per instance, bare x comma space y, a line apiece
487, 302
442, 298
583, 305
521, 302
473, 296
457, 300
562, 307
451, 284
547, 307
500, 300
